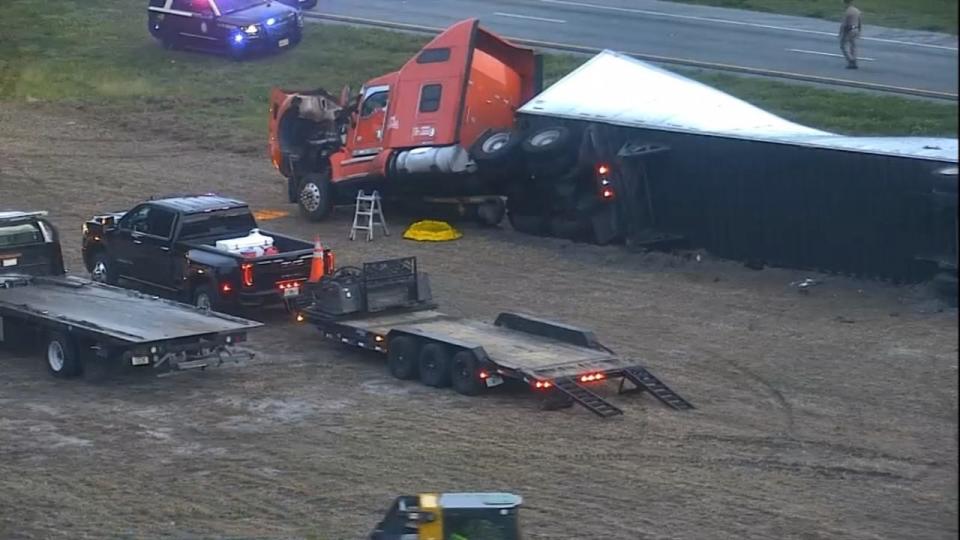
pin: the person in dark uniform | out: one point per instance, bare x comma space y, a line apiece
849, 33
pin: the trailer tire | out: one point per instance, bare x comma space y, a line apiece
314, 197
490, 213
547, 140
495, 146
102, 269
434, 364
61, 354
402, 357
464, 374
527, 224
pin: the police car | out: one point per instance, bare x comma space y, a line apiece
236, 27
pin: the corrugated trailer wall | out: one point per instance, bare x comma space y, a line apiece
793, 206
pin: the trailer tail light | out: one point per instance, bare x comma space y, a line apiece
246, 273
484, 374
300, 317
225, 288
605, 184
592, 377
543, 385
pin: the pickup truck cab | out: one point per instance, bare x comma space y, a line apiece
170, 245
236, 27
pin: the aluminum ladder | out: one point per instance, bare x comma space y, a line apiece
369, 211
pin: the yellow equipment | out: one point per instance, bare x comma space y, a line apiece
451, 516
431, 231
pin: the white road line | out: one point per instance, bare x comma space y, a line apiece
528, 17
830, 54
740, 23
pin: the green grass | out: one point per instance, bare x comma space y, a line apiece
933, 15
96, 56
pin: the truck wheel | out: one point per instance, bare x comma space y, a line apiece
528, 224
102, 270
465, 377
205, 297
402, 355
495, 145
62, 358
547, 140
435, 365
315, 199
490, 213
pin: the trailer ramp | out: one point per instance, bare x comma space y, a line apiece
644, 380
592, 402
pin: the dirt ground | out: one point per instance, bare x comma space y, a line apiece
826, 415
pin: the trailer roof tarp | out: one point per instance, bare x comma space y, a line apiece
617, 89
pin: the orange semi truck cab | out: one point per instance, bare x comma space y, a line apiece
442, 125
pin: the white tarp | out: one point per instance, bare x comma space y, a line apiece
617, 89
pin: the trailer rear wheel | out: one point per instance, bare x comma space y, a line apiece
62, 358
402, 356
435, 365
490, 213
464, 374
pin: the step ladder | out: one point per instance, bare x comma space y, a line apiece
368, 214
645, 381
593, 402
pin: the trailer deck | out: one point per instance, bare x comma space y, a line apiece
388, 300
120, 315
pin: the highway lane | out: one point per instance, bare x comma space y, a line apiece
807, 47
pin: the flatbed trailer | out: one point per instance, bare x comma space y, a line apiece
387, 307
85, 326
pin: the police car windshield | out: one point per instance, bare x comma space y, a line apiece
229, 6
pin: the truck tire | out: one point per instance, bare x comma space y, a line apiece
205, 297
61, 354
547, 141
528, 223
102, 269
434, 364
495, 145
402, 356
465, 374
314, 196
490, 213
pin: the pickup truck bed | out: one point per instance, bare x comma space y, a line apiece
120, 315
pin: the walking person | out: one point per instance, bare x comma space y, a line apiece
849, 33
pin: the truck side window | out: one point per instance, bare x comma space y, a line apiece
135, 220
374, 102
160, 222
433, 56
430, 97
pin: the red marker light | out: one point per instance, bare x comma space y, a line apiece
226, 287
607, 193
603, 169
484, 374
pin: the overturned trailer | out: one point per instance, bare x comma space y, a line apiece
675, 160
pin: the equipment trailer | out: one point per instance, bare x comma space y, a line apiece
83, 324
387, 307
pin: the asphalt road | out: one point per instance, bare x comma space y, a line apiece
792, 45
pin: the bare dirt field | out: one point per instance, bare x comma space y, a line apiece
826, 415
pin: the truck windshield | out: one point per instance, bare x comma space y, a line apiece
20, 234
229, 6
485, 524
237, 222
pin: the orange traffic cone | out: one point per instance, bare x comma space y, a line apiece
316, 264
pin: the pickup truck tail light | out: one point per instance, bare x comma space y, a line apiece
329, 261
246, 274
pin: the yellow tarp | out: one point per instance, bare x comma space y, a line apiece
431, 231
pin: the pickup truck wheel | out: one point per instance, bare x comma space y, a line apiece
402, 355
314, 197
62, 359
102, 270
204, 297
435, 365
464, 374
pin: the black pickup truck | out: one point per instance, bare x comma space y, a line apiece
86, 327
169, 246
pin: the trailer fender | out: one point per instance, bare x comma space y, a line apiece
549, 329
